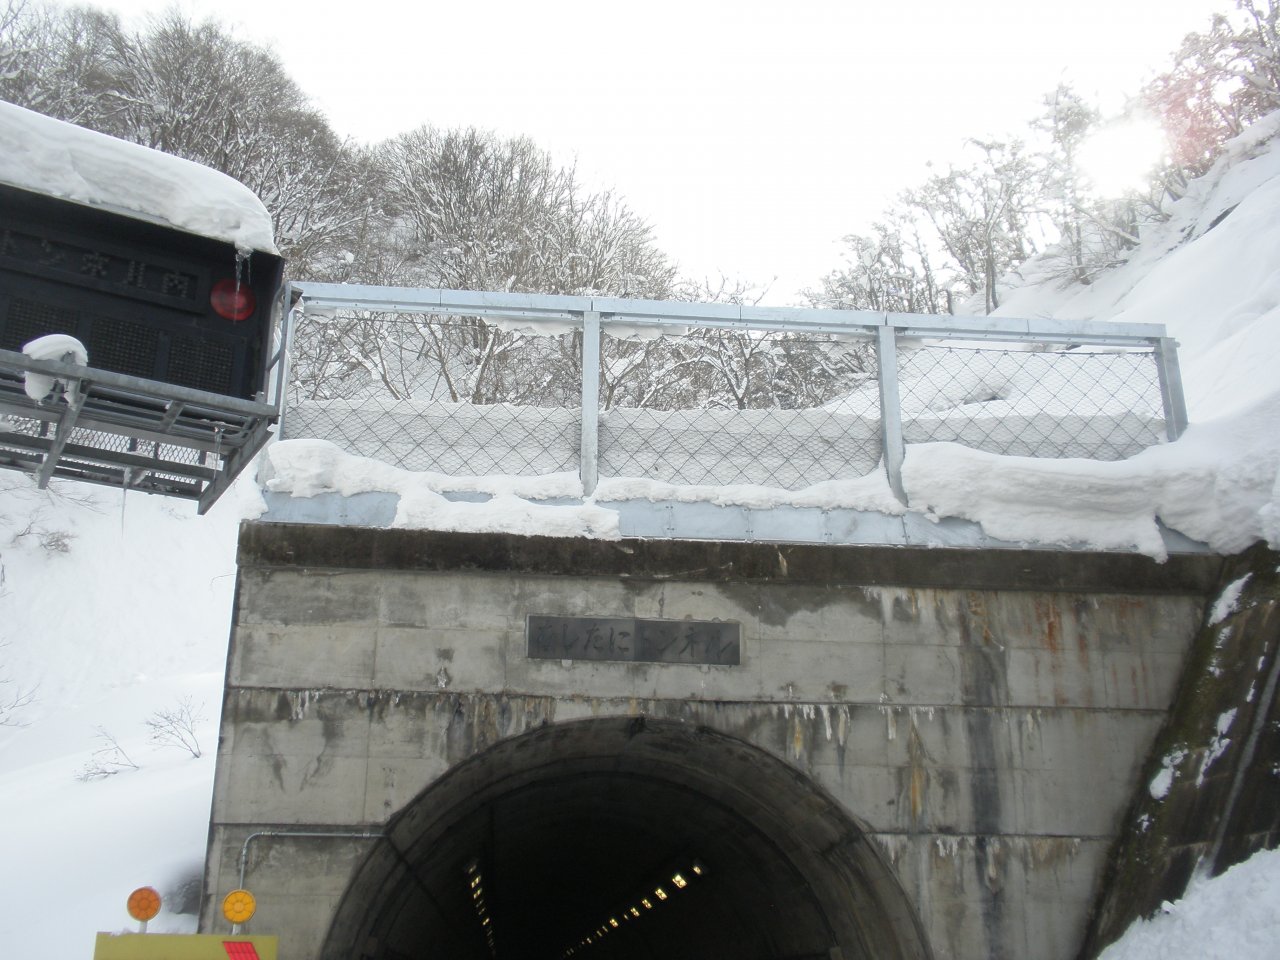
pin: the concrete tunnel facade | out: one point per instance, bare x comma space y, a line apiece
912, 753
625, 837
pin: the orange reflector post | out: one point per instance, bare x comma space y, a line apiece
238, 906
144, 903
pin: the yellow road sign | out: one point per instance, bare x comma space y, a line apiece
182, 946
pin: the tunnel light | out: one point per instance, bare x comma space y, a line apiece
476, 886
680, 880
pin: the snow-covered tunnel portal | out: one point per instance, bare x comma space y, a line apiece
844, 751
624, 838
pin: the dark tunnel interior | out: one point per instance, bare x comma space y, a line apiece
624, 839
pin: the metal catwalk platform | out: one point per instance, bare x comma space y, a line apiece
127, 432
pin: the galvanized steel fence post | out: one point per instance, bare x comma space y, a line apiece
890, 408
589, 465
1167, 369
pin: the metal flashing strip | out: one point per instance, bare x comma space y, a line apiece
670, 520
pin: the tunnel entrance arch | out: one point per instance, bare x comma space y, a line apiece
567, 841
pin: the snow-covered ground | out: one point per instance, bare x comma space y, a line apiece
112, 610
1234, 916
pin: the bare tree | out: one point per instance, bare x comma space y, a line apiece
13, 698
981, 214
1223, 78
889, 270
176, 727
63, 63
463, 209
108, 758
481, 213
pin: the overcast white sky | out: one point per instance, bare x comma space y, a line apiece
751, 135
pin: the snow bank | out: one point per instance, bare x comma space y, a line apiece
47, 156
516, 504
305, 468
1235, 916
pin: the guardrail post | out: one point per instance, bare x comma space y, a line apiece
894, 449
589, 465
1175, 404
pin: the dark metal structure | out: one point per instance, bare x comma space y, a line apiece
180, 332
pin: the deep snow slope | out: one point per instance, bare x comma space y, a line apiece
111, 609
1211, 276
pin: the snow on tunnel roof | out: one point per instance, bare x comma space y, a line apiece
47, 156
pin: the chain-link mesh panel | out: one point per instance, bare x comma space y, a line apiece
790, 449
718, 408
387, 387
461, 439
464, 396
1086, 402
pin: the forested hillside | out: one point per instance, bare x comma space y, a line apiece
465, 209
462, 208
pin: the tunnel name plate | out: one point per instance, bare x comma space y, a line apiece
635, 640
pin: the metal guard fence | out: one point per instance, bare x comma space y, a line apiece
478, 384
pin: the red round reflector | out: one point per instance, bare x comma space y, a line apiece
232, 301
